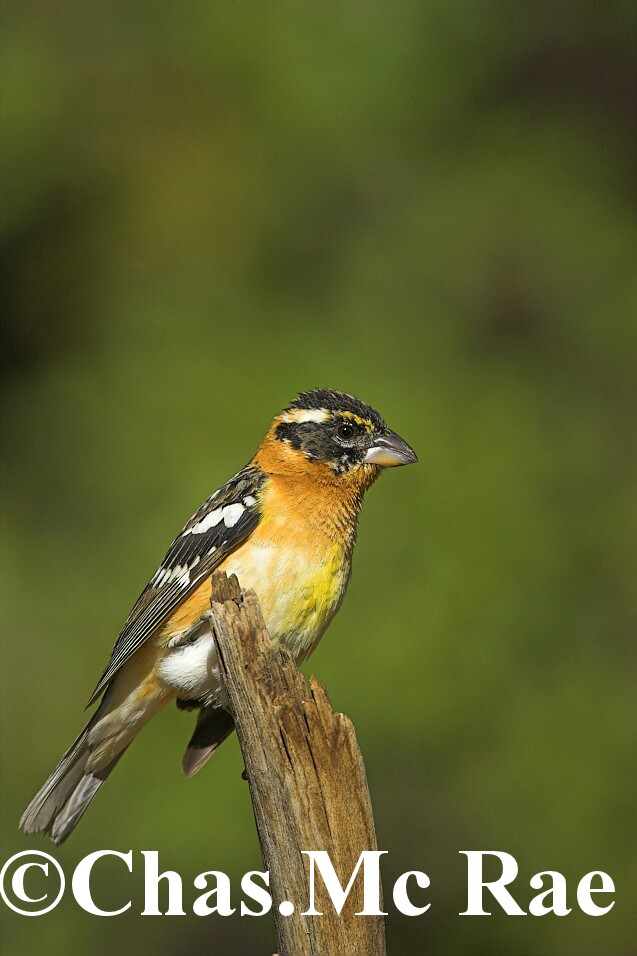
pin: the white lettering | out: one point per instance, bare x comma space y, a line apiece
402, 901
221, 892
256, 892
152, 876
584, 890
556, 892
370, 861
81, 883
475, 883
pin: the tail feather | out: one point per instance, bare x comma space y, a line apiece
128, 704
67, 818
54, 793
212, 727
63, 798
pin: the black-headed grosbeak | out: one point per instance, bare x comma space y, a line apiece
286, 526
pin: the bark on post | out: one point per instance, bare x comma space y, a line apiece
307, 781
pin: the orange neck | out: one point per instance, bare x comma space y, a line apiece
326, 501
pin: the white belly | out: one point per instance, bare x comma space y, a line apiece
193, 669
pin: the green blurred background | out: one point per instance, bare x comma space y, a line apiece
209, 207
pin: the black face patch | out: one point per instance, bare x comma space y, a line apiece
342, 440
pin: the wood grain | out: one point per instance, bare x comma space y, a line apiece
307, 781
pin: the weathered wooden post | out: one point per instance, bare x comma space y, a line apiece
307, 781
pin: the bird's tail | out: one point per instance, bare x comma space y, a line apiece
128, 704
60, 803
214, 724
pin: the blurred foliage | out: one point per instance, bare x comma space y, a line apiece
209, 207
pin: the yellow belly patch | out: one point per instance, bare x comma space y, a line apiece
299, 591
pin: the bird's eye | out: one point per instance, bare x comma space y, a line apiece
345, 432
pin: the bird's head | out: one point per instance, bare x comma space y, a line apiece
336, 434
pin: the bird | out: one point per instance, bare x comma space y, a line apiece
285, 525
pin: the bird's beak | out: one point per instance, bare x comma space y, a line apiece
390, 450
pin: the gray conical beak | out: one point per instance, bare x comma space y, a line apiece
390, 450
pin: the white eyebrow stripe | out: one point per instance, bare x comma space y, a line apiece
306, 415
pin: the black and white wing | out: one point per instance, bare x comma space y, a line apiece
222, 523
